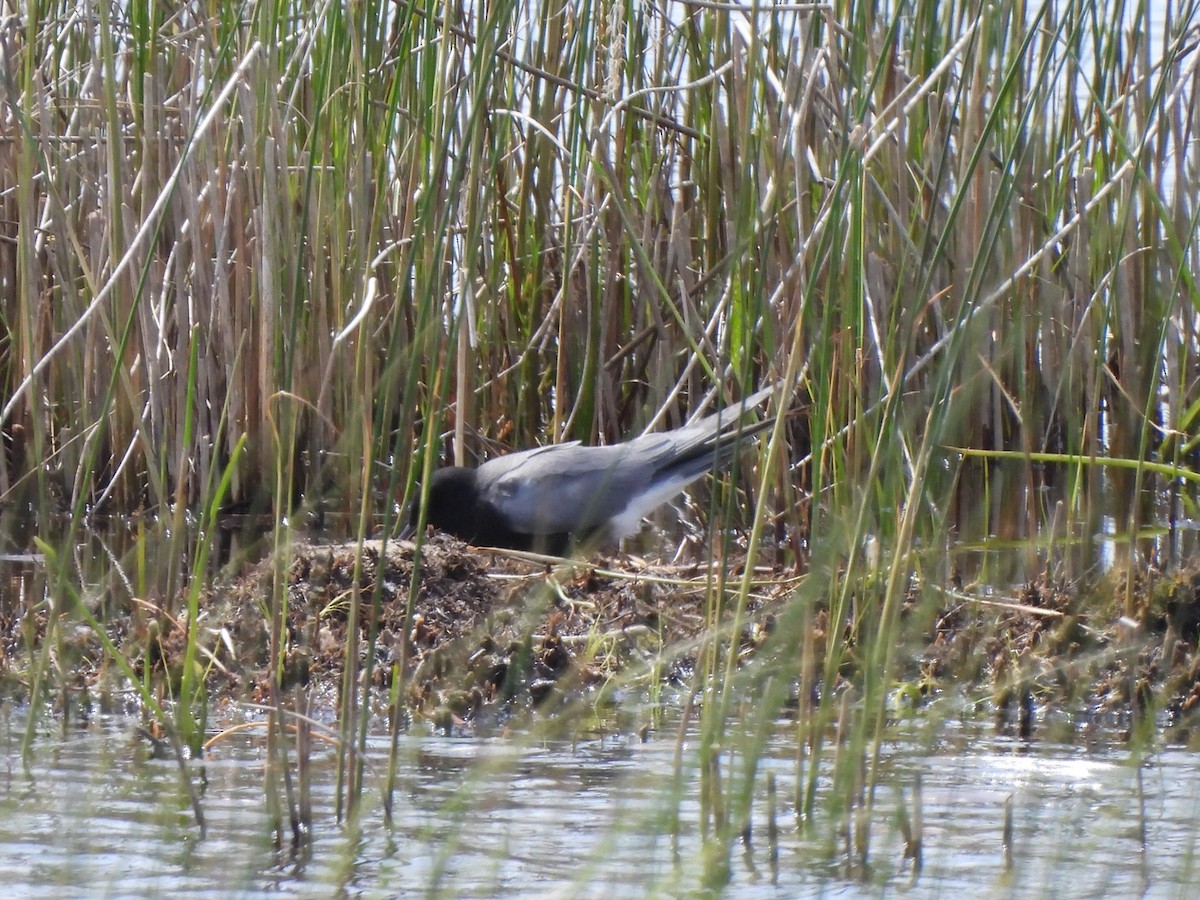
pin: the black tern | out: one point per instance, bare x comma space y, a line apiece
548, 497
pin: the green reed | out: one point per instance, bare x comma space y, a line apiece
291, 259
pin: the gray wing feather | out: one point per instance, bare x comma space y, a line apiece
566, 488
726, 420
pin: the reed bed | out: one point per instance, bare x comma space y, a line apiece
287, 259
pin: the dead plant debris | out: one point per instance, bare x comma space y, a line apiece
490, 631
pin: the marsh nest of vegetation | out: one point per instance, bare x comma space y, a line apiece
489, 633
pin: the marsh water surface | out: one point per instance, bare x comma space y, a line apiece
94, 814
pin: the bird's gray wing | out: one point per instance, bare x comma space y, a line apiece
707, 441
567, 488
725, 421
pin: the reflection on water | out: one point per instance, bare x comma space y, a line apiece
589, 817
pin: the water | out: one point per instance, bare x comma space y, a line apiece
592, 816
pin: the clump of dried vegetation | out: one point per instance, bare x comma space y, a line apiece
282, 261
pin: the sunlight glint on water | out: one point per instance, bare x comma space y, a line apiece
475, 817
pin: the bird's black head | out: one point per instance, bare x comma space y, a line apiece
456, 506
452, 505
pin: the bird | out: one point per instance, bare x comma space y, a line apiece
551, 498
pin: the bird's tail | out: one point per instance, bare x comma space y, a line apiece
727, 419
713, 441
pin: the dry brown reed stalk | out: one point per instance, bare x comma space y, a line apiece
362, 240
